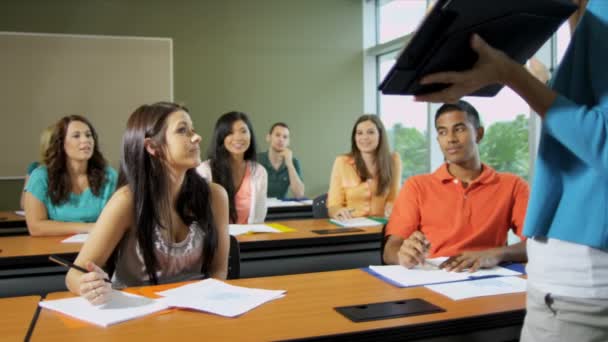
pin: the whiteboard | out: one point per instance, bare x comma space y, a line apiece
47, 76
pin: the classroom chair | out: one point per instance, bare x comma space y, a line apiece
319, 206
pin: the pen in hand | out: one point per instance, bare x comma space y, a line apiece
66, 263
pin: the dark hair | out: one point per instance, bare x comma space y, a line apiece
280, 124
383, 155
461, 106
219, 157
147, 178
55, 159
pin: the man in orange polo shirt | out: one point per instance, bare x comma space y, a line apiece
464, 209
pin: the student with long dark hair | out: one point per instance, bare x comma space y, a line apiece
67, 193
232, 164
365, 181
166, 223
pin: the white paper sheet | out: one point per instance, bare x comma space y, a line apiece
272, 202
77, 238
216, 297
480, 287
121, 307
429, 273
239, 229
356, 222
20, 212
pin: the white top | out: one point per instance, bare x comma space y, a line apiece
259, 187
567, 269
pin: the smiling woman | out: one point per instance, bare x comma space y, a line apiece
67, 194
365, 181
232, 164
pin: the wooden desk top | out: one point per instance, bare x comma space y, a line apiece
8, 219
306, 311
17, 313
27, 246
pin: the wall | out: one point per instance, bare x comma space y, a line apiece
298, 61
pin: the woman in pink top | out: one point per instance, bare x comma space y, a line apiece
232, 164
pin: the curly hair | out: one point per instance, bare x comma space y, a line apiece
55, 159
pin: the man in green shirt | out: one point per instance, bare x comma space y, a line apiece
283, 169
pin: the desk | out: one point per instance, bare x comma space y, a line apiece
307, 313
17, 313
290, 212
304, 251
12, 224
25, 269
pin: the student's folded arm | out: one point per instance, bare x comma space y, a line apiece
38, 223
336, 195
219, 203
295, 182
114, 221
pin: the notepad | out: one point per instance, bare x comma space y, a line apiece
355, 222
480, 287
239, 229
214, 296
121, 307
76, 238
429, 273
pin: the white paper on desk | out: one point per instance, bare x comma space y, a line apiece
20, 212
239, 229
121, 307
306, 202
272, 202
480, 287
418, 275
76, 238
214, 296
355, 222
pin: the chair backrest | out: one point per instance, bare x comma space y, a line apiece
234, 259
319, 206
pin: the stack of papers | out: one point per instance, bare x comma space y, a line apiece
239, 229
77, 238
429, 273
480, 287
208, 295
121, 307
277, 203
216, 297
355, 222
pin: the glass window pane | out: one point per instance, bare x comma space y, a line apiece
505, 144
406, 123
397, 18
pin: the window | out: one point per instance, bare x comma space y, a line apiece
397, 18
511, 133
406, 123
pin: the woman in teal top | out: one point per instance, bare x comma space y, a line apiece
67, 194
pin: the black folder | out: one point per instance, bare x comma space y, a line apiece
442, 41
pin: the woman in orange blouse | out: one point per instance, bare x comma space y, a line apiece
365, 181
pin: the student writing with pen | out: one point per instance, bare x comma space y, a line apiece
464, 209
165, 222
365, 181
